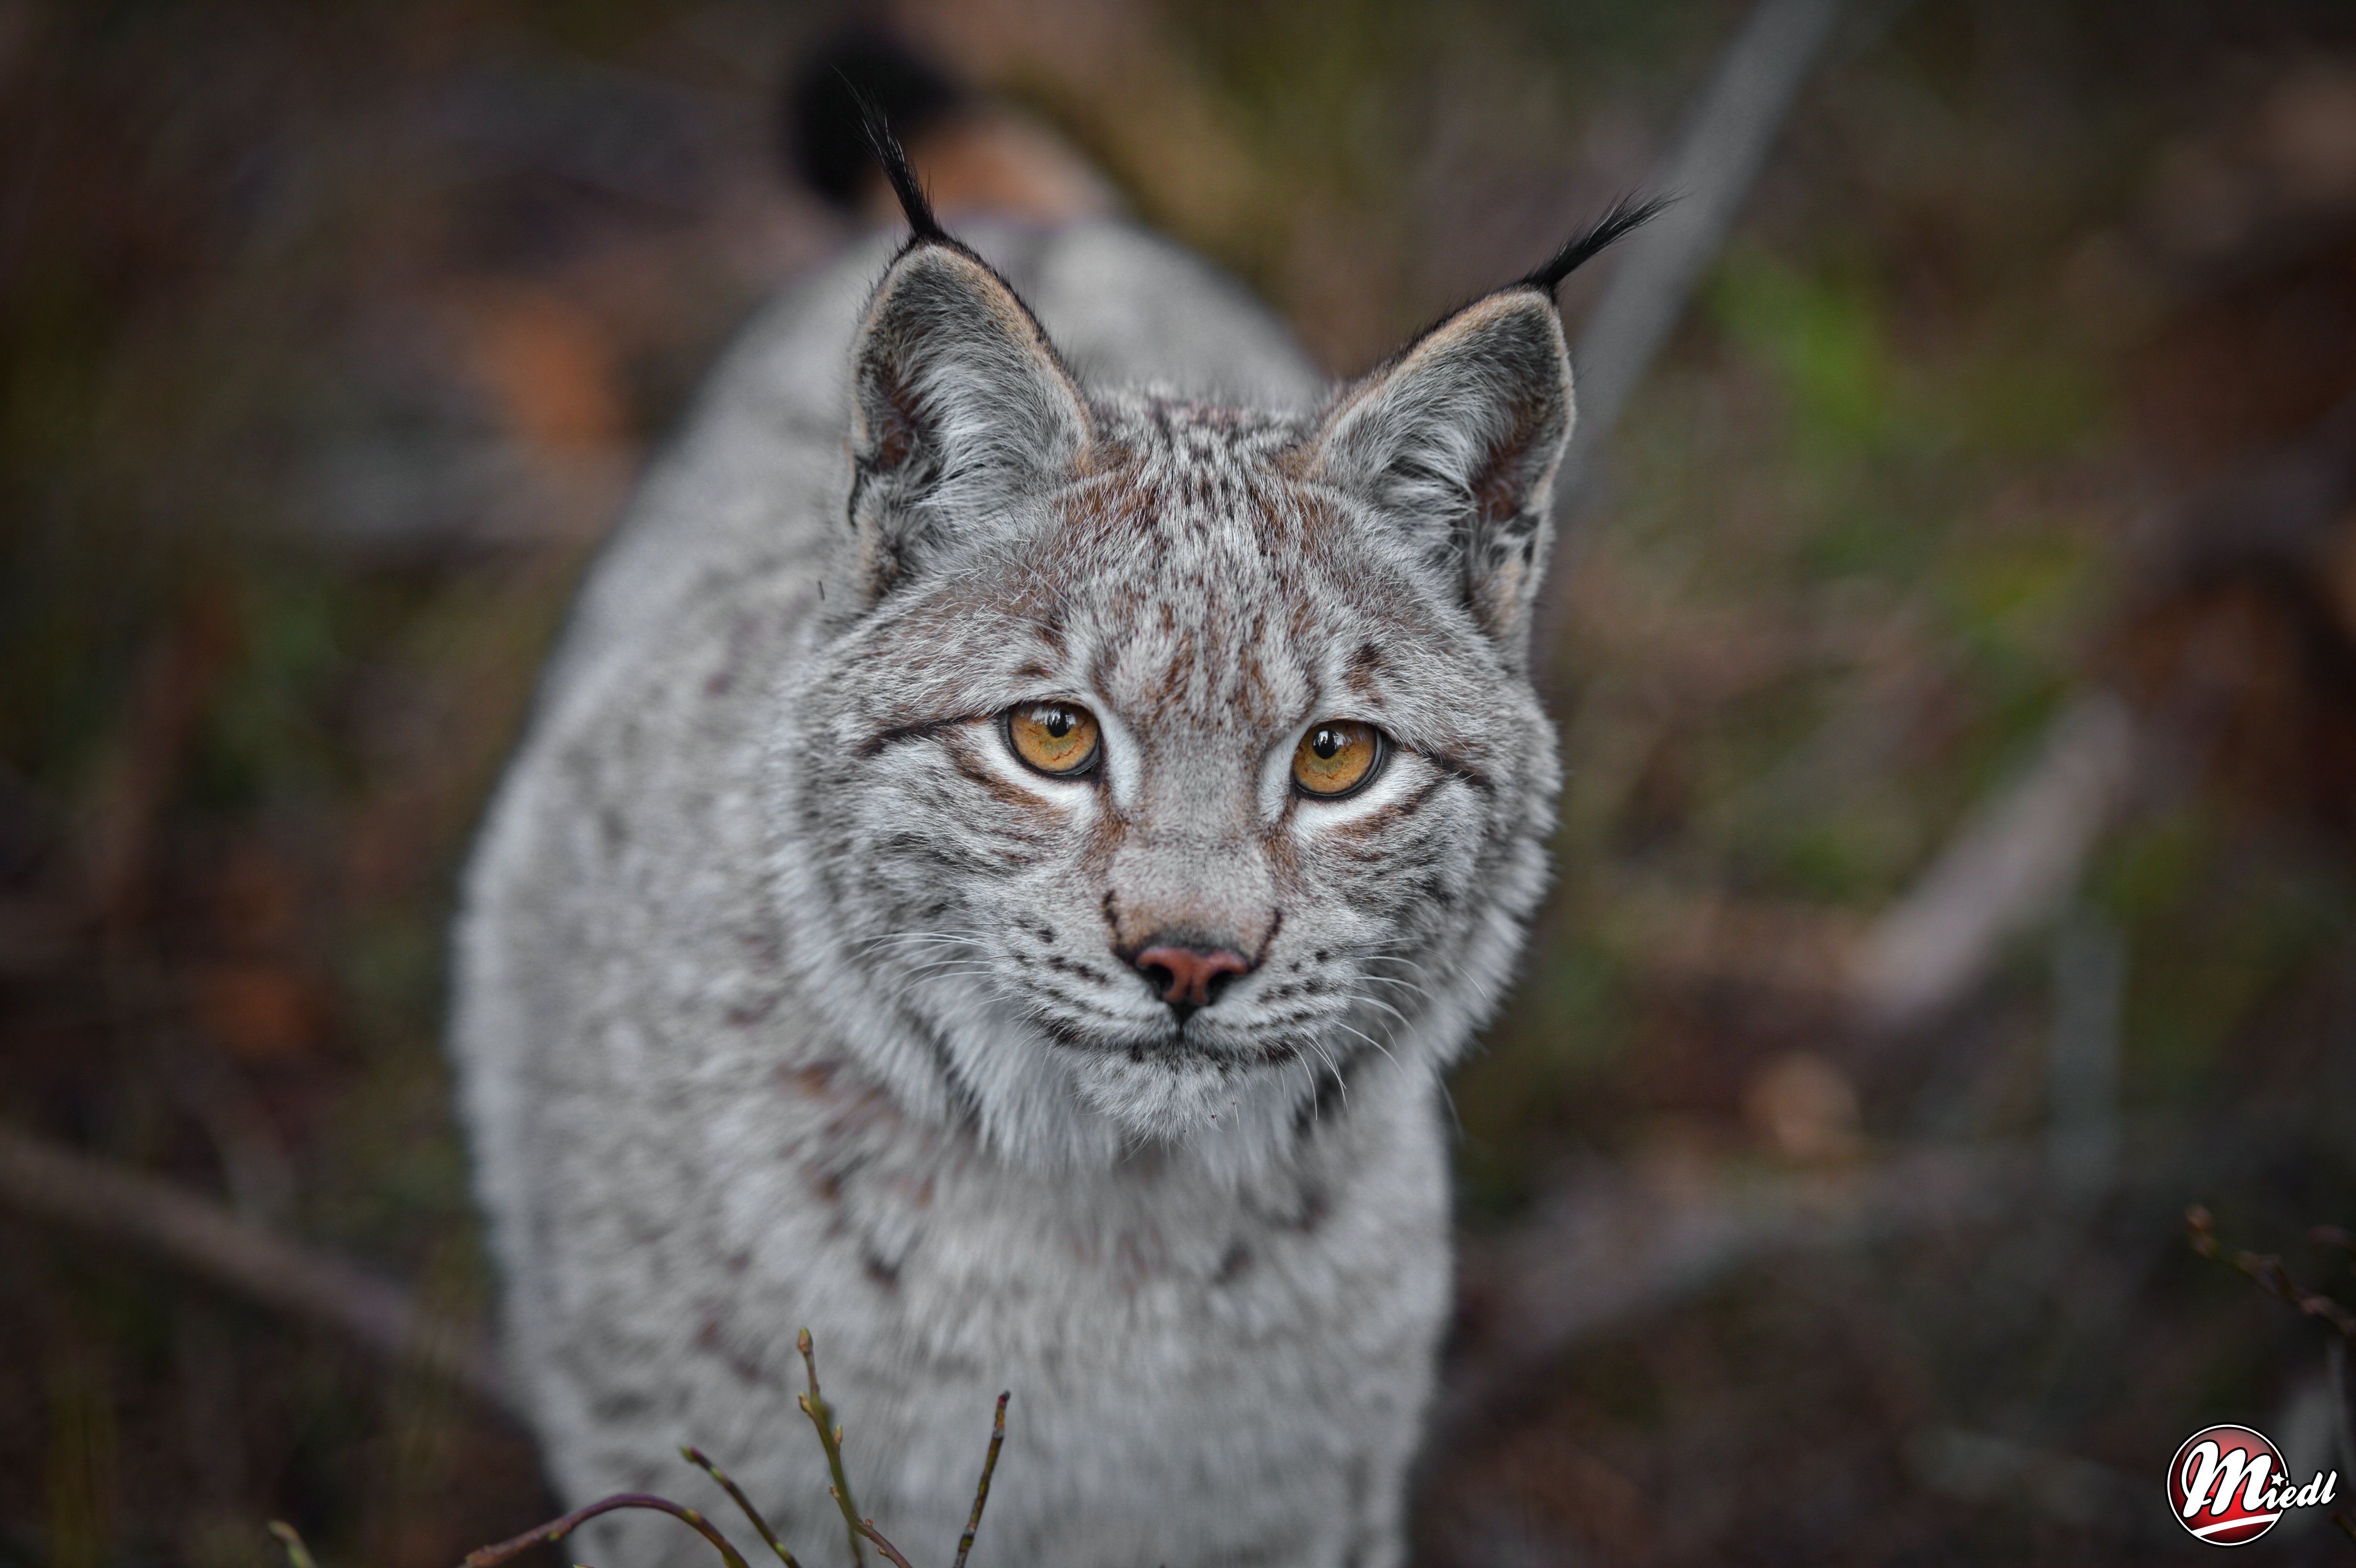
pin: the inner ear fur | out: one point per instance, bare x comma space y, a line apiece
960, 408
1457, 441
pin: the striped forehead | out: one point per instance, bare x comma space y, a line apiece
1164, 435
1204, 618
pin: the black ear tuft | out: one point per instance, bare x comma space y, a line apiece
825, 139
894, 159
1627, 214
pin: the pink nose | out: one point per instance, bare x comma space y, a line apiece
1189, 971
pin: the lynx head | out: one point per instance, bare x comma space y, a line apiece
1161, 771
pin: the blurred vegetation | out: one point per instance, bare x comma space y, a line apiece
331, 337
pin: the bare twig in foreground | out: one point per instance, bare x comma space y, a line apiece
2266, 1271
866, 1527
829, 1437
557, 1529
297, 1554
981, 1491
861, 1529
61, 1187
695, 1457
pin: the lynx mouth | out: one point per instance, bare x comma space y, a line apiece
1190, 1042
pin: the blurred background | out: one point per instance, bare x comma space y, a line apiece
1955, 646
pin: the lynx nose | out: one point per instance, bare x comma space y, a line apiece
1189, 978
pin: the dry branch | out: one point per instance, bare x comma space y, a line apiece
866, 1527
61, 1187
557, 1529
2012, 867
981, 1491
2266, 1271
1607, 1253
298, 1555
1718, 160
830, 1439
2274, 715
695, 1457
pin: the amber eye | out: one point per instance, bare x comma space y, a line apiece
1058, 738
1336, 756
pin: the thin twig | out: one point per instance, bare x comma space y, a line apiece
297, 1554
2268, 1272
981, 1492
829, 1437
866, 1527
695, 1457
557, 1529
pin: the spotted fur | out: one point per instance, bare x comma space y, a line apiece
787, 995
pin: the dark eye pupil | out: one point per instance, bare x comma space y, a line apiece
1326, 744
1058, 723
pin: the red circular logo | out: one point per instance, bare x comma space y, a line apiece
2226, 1483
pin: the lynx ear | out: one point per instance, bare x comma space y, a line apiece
1456, 442
960, 410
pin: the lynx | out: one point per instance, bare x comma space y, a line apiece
1024, 812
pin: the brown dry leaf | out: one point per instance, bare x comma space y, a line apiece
1807, 1107
1552, 1471
2306, 133
258, 1013
259, 902
552, 367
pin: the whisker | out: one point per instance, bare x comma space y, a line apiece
903, 986
941, 967
1333, 1070
1370, 1040
929, 938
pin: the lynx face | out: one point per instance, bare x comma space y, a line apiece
1163, 767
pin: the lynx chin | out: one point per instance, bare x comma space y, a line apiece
1024, 812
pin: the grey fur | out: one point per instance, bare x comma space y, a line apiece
786, 996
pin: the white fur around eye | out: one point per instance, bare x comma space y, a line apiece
1121, 770
1313, 811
